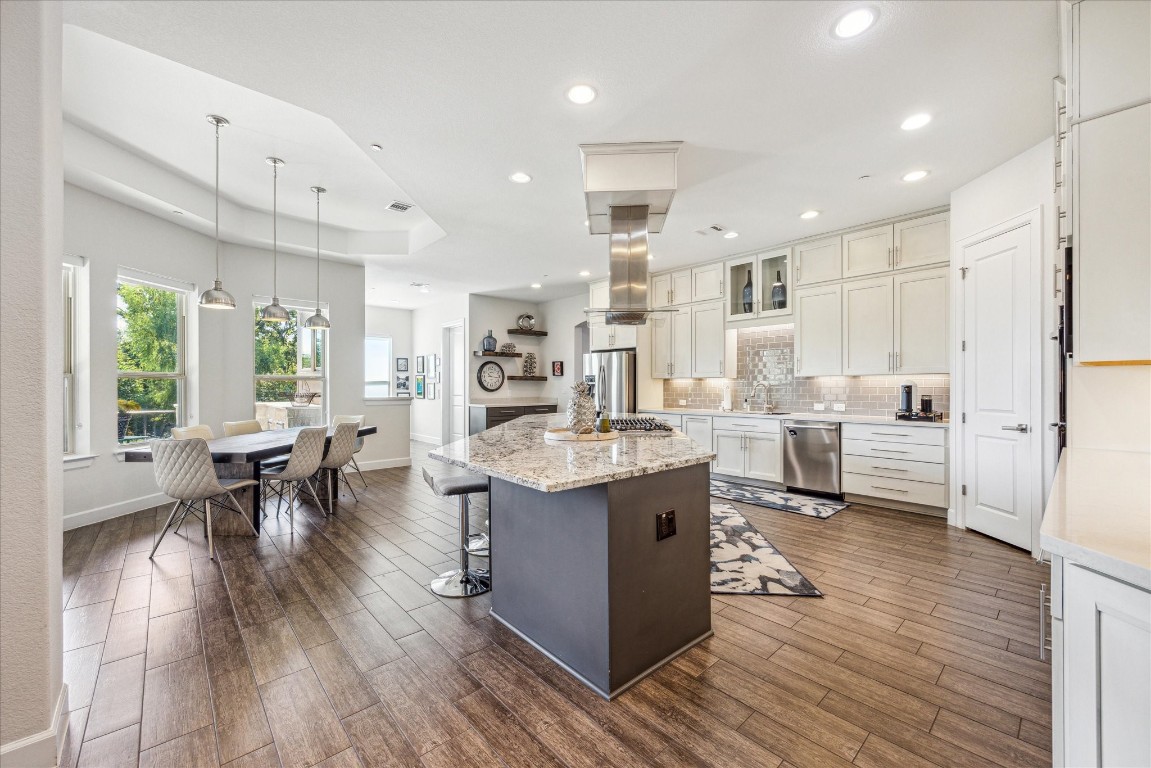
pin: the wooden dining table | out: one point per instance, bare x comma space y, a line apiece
245, 454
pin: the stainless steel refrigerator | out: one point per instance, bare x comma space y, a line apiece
618, 369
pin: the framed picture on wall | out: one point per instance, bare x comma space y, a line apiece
431, 390
419, 385
419, 364
435, 363
402, 385
402, 364
557, 367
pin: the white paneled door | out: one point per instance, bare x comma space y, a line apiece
997, 388
457, 384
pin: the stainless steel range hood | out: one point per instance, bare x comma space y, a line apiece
628, 189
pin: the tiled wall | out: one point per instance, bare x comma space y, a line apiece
767, 354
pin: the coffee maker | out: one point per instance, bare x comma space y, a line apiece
907, 410
906, 398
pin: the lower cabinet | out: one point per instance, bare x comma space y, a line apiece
894, 462
698, 428
483, 417
747, 448
764, 459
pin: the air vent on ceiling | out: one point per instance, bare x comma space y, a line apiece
714, 229
399, 207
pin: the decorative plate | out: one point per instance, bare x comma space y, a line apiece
490, 376
526, 322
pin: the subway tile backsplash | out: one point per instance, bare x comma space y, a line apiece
768, 355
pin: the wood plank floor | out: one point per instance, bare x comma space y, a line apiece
322, 646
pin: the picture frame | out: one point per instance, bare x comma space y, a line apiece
419, 364
402, 385
420, 385
557, 367
436, 364
431, 385
401, 364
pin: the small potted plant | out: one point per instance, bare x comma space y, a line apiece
123, 415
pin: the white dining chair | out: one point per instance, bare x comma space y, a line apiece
185, 472
303, 462
358, 421
249, 427
201, 431
340, 451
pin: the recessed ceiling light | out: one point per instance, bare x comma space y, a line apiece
730, 235
377, 148
650, 256
854, 23
915, 175
809, 214
178, 213
519, 177
423, 287
915, 121
536, 285
584, 273
581, 94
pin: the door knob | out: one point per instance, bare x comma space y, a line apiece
1017, 428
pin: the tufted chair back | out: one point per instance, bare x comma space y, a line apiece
357, 420
251, 426
306, 454
202, 431
184, 469
342, 447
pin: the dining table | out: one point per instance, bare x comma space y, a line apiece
244, 455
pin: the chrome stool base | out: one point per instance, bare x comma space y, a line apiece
461, 583
479, 545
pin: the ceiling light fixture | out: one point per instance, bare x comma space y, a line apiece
730, 235
377, 148
274, 313
915, 175
536, 285
809, 214
519, 177
178, 213
318, 321
581, 94
855, 23
216, 297
584, 273
915, 121
422, 287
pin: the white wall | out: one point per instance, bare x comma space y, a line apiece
427, 338
396, 324
561, 318
111, 235
32, 693
498, 315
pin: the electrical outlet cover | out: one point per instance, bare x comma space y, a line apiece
665, 525
819, 407
683, 402
839, 407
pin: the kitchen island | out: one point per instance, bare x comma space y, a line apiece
587, 564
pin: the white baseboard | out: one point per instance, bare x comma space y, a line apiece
40, 749
120, 508
433, 439
405, 461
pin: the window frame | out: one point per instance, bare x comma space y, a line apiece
68, 290
389, 381
303, 312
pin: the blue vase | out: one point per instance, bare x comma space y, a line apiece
489, 342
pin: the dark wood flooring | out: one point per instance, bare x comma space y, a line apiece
322, 646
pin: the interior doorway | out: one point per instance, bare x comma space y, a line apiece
454, 388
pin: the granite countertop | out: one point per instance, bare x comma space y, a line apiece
511, 402
800, 416
1099, 513
518, 453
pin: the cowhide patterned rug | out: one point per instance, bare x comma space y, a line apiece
785, 501
745, 563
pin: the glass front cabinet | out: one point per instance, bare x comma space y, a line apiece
759, 285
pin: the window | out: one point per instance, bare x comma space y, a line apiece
377, 366
69, 305
290, 371
150, 385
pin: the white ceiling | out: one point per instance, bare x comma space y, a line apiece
777, 116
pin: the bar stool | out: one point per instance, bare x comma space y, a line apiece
465, 581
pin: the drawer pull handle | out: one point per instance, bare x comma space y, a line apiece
888, 450
884, 488
891, 434
745, 426
890, 469
507, 411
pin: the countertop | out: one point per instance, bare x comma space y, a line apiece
512, 402
517, 452
801, 416
1099, 513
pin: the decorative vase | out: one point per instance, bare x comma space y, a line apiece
581, 410
507, 348
529, 364
778, 292
489, 342
748, 293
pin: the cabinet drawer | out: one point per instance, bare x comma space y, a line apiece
918, 471
509, 412
745, 424
929, 494
934, 454
891, 433
539, 409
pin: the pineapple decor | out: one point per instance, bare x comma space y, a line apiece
581, 410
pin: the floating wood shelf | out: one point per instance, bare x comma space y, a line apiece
498, 354
521, 332
527, 378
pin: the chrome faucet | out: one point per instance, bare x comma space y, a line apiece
767, 406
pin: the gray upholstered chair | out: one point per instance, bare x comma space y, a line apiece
465, 581
303, 462
340, 452
185, 472
241, 427
202, 431
358, 421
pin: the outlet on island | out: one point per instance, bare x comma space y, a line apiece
665, 525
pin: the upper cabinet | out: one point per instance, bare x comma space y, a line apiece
868, 251
681, 283
1110, 50
867, 327
758, 286
707, 340
660, 295
818, 261
920, 321
819, 331
599, 296
922, 242
707, 282
600, 335
671, 344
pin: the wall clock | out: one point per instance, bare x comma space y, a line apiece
490, 376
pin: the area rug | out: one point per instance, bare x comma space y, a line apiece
785, 501
745, 563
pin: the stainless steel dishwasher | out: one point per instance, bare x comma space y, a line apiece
811, 455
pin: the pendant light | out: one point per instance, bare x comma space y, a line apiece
274, 313
318, 321
216, 297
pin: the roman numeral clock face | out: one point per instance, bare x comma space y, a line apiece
490, 376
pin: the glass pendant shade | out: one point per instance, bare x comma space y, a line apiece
216, 297
318, 321
274, 313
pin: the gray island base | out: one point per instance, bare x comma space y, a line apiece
589, 573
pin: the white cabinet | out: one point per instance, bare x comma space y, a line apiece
1111, 189
599, 295
764, 459
660, 295
1105, 655
818, 261
602, 337
728, 448
707, 282
747, 447
819, 331
681, 287
1112, 46
758, 286
671, 345
922, 242
898, 463
707, 340
698, 428
868, 251
743, 281
867, 327
599, 336
920, 304
662, 327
